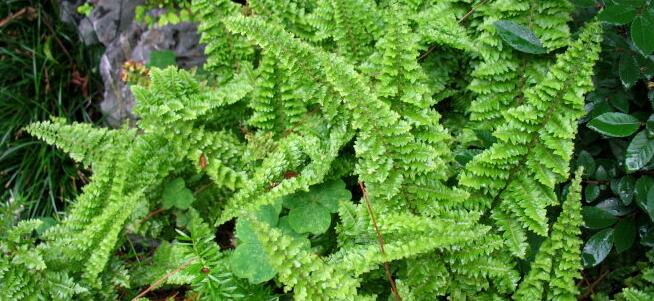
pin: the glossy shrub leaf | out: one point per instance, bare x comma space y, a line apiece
615, 124
648, 206
617, 14
639, 151
625, 234
519, 37
643, 185
620, 101
176, 194
597, 247
614, 207
586, 160
629, 71
591, 192
650, 123
642, 33
626, 188
597, 218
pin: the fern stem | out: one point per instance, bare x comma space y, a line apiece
163, 278
387, 270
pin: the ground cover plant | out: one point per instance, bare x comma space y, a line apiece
341, 150
44, 73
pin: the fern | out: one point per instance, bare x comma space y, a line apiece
457, 141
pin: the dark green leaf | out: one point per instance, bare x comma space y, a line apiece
646, 233
639, 151
629, 71
597, 218
620, 101
601, 174
642, 33
162, 58
586, 160
617, 14
591, 192
625, 234
643, 185
614, 207
626, 188
650, 123
649, 206
646, 65
519, 37
615, 124
597, 247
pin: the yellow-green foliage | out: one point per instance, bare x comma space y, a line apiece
382, 95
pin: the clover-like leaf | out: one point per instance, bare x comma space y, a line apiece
310, 218
176, 194
250, 261
310, 211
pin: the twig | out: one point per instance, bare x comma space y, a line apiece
26, 10
590, 289
470, 12
381, 244
162, 279
151, 214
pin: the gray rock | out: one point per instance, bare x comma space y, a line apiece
111, 23
87, 32
111, 17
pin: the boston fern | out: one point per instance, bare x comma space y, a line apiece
356, 150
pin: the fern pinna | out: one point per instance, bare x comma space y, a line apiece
459, 142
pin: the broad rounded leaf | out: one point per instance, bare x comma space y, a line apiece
639, 151
642, 32
327, 195
597, 218
617, 14
310, 218
519, 37
615, 124
250, 261
625, 234
597, 247
176, 194
629, 71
